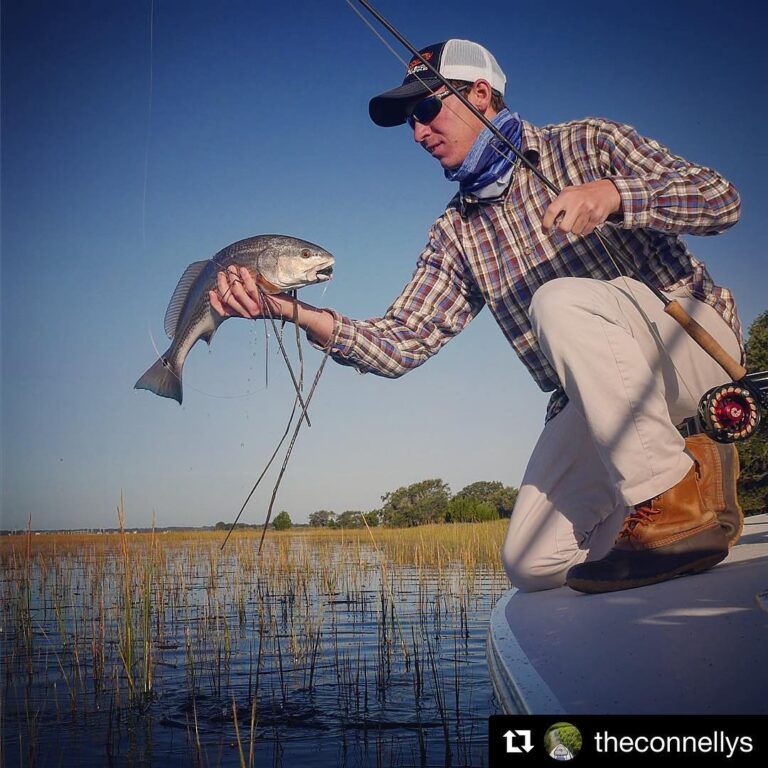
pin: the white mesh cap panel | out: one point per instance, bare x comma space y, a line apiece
465, 60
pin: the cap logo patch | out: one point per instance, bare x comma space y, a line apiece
417, 65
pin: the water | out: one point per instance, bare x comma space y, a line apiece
322, 654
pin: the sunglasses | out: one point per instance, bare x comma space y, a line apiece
427, 109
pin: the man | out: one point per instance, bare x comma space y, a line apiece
612, 498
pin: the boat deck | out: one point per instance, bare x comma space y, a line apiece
692, 645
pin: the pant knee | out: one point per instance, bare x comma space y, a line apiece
554, 295
559, 301
530, 575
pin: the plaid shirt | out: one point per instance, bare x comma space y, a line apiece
494, 251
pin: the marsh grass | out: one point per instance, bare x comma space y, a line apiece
361, 646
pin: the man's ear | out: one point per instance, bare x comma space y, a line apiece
480, 95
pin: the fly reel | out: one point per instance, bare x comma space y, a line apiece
732, 412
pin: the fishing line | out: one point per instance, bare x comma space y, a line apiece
264, 472
298, 337
149, 123
651, 325
290, 450
264, 300
266, 355
189, 386
265, 303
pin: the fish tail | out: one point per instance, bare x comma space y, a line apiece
162, 379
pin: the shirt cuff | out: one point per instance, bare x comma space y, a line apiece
342, 342
635, 201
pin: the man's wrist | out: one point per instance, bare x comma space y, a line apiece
283, 306
318, 323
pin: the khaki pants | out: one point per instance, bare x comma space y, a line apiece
615, 444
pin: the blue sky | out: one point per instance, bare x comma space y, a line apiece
259, 124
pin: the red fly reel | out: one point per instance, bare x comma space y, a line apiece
729, 412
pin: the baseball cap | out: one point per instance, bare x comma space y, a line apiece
454, 60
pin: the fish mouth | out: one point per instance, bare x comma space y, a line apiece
324, 274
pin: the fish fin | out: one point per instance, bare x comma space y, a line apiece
162, 380
180, 295
217, 321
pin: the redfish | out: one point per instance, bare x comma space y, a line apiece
277, 263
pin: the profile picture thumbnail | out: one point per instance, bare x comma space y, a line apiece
562, 741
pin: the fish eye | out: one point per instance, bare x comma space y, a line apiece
305, 254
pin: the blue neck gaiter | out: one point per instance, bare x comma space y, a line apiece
489, 158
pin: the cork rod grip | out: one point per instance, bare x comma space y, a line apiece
705, 341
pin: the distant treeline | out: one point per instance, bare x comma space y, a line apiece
428, 501
753, 453
222, 526
281, 522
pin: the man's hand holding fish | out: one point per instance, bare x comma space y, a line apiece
238, 294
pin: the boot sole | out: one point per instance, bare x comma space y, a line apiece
592, 586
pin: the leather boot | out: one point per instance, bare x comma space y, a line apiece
719, 470
669, 535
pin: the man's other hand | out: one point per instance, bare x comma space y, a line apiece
581, 208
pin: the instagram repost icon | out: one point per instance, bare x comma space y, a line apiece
523, 739
562, 741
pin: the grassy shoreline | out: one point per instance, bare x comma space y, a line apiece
372, 640
427, 545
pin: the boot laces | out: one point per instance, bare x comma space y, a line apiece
644, 513
641, 515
